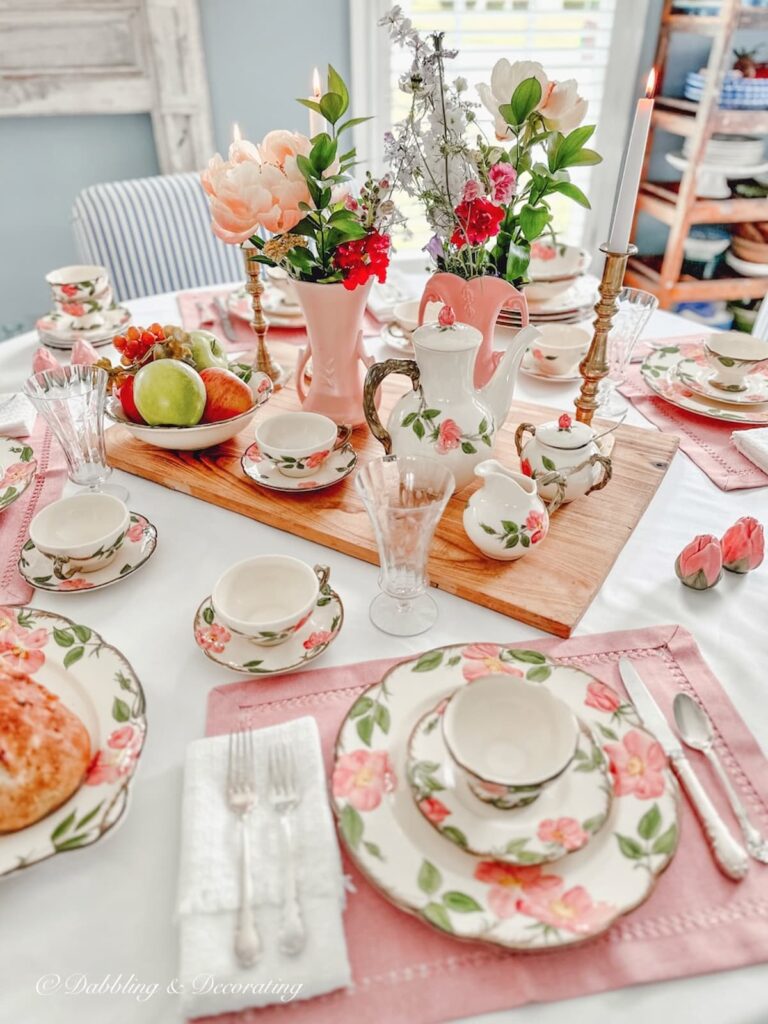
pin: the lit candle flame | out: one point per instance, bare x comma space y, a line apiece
317, 88
236, 133
650, 87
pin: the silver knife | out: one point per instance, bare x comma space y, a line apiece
730, 856
225, 320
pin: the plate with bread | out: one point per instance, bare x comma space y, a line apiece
72, 728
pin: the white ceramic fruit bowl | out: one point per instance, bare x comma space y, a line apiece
182, 439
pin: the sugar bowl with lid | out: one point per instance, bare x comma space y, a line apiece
564, 458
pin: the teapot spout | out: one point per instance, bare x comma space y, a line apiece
499, 390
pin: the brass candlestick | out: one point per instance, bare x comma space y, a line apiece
262, 360
594, 365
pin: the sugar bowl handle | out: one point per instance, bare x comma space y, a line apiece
522, 430
373, 381
605, 477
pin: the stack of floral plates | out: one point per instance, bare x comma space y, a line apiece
280, 309
55, 330
681, 375
552, 873
574, 305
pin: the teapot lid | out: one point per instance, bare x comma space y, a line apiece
565, 432
446, 334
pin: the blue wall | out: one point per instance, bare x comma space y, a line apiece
260, 56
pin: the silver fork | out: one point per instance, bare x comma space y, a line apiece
241, 797
284, 797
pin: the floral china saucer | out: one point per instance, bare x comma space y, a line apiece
17, 469
522, 907
336, 467
219, 644
565, 816
528, 367
56, 332
41, 571
95, 682
698, 377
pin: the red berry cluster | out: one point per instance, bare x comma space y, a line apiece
363, 258
134, 345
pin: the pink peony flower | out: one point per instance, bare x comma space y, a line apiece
135, 531
213, 638
446, 317
743, 545
471, 191
484, 660
21, 650
537, 524
561, 106
434, 810
509, 881
281, 149
572, 911
503, 177
317, 639
363, 777
76, 584
602, 697
566, 832
700, 564
637, 765
448, 437
316, 458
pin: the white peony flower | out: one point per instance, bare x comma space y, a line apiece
505, 78
562, 108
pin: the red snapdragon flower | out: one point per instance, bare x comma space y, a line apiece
479, 220
362, 259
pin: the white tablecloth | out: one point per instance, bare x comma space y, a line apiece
107, 912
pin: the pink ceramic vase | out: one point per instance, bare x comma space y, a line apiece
477, 301
334, 318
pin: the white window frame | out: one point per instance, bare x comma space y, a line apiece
370, 64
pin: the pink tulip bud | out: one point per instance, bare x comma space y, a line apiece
700, 564
83, 353
44, 360
446, 317
743, 545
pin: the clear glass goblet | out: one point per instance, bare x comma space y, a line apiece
71, 400
634, 310
405, 498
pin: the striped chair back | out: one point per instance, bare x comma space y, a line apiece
153, 235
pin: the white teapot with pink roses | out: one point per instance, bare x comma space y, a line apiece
445, 416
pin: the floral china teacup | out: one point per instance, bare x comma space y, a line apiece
298, 443
559, 350
77, 282
563, 458
508, 738
268, 598
733, 355
82, 533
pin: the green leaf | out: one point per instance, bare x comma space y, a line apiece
28, 546
428, 661
539, 675
468, 448
460, 902
253, 666
533, 220
88, 818
585, 158
455, 835
436, 914
518, 258
373, 849
525, 540
409, 419
530, 657
488, 529
63, 637
73, 843
454, 660
630, 847
418, 429
337, 85
593, 824
650, 823
572, 143
351, 825
512, 541
429, 414
73, 655
365, 730
547, 463
351, 124
525, 99
567, 188
42, 579
83, 633
429, 878
310, 104
323, 152
120, 710
361, 705
609, 734
509, 526
305, 166
483, 426
666, 842
332, 106
381, 717
63, 826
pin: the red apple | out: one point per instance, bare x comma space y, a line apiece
125, 394
226, 394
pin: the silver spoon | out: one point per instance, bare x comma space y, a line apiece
695, 727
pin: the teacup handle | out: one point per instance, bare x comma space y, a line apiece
59, 570
522, 430
343, 434
607, 473
261, 387
323, 574
299, 377
373, 381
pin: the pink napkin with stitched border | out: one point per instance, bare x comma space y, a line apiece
696, 921
706, 442
47, 486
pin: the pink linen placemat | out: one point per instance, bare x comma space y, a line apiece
706, 442
695, 922
47, 486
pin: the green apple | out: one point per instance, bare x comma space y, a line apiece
207, 350
169, 393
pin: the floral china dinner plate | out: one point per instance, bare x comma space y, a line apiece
697, 377
237, 652
17, 469
336, 467
565, 816
57, 332
522, 907
94, 680
42, 571
660, 374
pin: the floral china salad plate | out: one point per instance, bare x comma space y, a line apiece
660, 374
59, 327
17, 469
95, 681
522, 907
240, 653
42, 571
563, 818
336, 467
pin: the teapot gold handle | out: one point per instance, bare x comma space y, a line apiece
522, 430
373, 381
605, 462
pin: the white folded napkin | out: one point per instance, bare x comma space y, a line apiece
753, 444
17, 415
213, 981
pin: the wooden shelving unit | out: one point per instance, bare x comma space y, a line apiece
675, 203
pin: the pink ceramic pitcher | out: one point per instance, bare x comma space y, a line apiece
477, 301
334, 318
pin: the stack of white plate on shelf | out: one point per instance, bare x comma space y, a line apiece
733, 152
